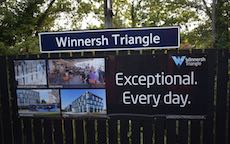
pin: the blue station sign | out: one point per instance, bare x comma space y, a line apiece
110, 39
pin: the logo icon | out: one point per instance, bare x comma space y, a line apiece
178, 60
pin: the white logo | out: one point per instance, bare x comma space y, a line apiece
178, 60
190, 61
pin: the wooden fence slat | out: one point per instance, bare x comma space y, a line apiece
7, 135
228, 136
101, 128
79, 128
1, 129
135, 131
183, 131
183, 51
100, 53
207, 131
16, 126
1, 137
147, 52
148, 131
88, 54
47, 124
64, 55
17, 131
58, 135
195, 132
90, 131
221, 99
68, 127
124, 128
43, 56
123, 53
27, 131
38, 131
228, 128
76, 54
171, 131
171, 135
113, 133
195, 137
159, 130
208, 122
134, 52
107, 53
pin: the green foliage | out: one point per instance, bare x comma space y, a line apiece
193, 16
200, 37
88, 9
222, 24
20, 21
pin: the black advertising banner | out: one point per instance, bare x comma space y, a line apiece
157, 84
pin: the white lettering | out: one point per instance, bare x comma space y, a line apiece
119, 79
126, 98
176, 99
142, 99
61, 42
157, 79
140, 40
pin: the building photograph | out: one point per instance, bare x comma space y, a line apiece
25, 98
83, 101
30, 73
35, 101
77, 73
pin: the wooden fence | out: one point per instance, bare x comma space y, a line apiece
119, 130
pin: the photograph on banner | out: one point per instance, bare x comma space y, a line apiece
30, 73
76, 73
38, 102
83, 102
158, 84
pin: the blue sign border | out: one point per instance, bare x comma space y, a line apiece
47, 48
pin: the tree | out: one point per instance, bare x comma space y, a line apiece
193, 16
222, 24
214, 31
20, 21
